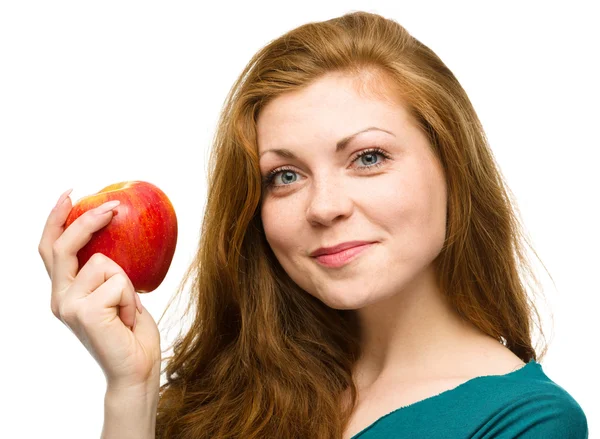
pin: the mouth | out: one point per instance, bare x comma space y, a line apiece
338, 248
341, 258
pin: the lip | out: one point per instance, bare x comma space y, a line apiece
336, 260
338, 248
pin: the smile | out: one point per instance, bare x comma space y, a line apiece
339, 259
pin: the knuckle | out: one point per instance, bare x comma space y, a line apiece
66, 312
97, 259
122, 281
57, 248
44, 255
55, 308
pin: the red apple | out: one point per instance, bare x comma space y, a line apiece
141, 236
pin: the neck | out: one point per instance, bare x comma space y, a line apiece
414, 333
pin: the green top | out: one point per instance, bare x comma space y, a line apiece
524, 403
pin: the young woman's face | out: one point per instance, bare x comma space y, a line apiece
325, 198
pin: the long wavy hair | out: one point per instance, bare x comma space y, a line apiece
262, 358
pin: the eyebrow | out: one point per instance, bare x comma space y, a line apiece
340, 145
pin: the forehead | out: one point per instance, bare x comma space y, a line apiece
331, 107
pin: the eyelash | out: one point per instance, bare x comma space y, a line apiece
268, 180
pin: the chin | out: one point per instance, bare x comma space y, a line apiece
343, 300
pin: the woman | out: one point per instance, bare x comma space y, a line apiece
350, 134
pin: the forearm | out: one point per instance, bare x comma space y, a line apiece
130, 414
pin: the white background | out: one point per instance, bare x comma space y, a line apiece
93, 93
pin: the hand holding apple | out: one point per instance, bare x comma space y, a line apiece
141, 236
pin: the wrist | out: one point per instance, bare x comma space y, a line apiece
149, 386
130, 413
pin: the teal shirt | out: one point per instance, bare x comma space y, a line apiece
522, 404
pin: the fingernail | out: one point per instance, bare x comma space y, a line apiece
107, 207
63, 197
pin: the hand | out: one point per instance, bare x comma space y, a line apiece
98, 303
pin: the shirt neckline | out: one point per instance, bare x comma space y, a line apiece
445, 392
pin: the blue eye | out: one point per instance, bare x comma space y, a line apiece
374, 152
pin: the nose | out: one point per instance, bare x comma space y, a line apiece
328, 202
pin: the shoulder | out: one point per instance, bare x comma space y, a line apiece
550, 414
534, 406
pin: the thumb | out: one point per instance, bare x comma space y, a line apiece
146, 331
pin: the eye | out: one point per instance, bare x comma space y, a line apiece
371, 153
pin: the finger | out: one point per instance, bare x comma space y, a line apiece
117, 291
138, 302
54, 228
65, 265
95, 272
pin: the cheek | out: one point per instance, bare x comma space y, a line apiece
284, 238
414, 212
278, 226
430, 215
393, 200
269, 224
